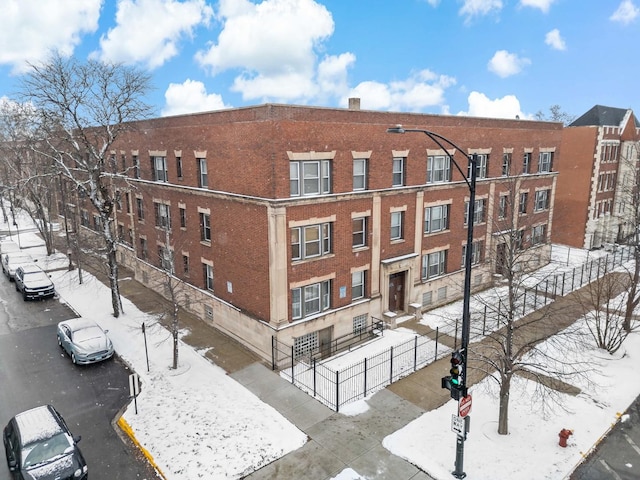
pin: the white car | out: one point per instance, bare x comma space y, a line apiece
12, 260
8, 246
84, 341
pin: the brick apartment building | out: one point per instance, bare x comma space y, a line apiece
598, 169
302, 224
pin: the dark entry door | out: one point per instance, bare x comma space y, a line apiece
324, 338
396, 291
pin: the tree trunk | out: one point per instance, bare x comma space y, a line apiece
503, 418
116, 301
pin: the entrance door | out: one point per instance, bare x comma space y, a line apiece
501, 258
396, 291
324, 339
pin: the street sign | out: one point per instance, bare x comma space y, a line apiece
457, 425
465, 406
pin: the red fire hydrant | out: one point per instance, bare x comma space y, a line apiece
564, 434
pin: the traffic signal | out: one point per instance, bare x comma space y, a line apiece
454, 381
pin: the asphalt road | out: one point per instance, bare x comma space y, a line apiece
34, 371
618, 455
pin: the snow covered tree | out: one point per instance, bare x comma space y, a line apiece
81, 108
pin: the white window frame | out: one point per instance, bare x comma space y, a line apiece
208, 276
358, 280
538, 234
526, 162
163, 215
205, 227
362, 231
304, 299
524, 200
542, 201
202, 173
436, 218
476, 252
309, 178
482, 163
397, 225
310, 241
434, 264
478, 213
545, 162
438, 169
506, 164
503, 207
160, 170
398, 171
359, 174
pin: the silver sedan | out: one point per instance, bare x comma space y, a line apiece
84, 341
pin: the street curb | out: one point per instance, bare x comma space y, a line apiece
126, 428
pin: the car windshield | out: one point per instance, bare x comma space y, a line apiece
35, 276
47, 451
86, 334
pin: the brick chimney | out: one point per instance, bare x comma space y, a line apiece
354, 104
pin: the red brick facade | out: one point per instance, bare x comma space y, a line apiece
250, 154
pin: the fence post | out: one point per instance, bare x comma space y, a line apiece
524, 302
365, 376
535, 297
337, 390
273, 352
573, 278
292, 366
391, 367
415, 353
437, 338
555, 286
314, 377
563, 279
582, 273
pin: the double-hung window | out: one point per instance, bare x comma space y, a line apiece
140, 208
542, 200
359, 227
436, 219
310, 241
399, 164
482, 164
506, 164
524, 199
311, 299
438, 169
160, 172
503, 207
396, 225
202, 173
478, 214
205, 227
136, 166
526, 162
163, 216
179, 167
310, 177
357, 284
359, 174
434, 264
538, 234
476, 252
545, 162
207, 270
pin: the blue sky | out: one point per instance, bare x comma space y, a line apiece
492, 58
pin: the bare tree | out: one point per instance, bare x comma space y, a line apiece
522, 332
81, 109
556, 114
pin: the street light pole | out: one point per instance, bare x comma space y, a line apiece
470, 180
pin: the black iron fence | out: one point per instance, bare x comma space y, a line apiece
335, 384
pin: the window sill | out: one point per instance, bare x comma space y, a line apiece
440, 232
205, 243
312, 259
360, 248
397, 241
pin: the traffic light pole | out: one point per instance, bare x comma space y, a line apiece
470, 179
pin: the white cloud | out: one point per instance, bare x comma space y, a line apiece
420, 91
189, 97
543, 5
474, 8
482, 106
31, 29
149, 31
626, 13
332, 74
554, 40
505, 64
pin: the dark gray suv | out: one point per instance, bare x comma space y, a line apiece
33, 282
39, 446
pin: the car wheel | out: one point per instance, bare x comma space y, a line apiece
17, 289
73, 358
24, 296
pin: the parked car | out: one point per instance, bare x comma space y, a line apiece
33, 282
84, 341
11, 261
7, 246
39, 446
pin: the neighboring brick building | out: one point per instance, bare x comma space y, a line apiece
597, 171
305, 223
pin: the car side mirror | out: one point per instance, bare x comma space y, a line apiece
77, 438
13, 465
